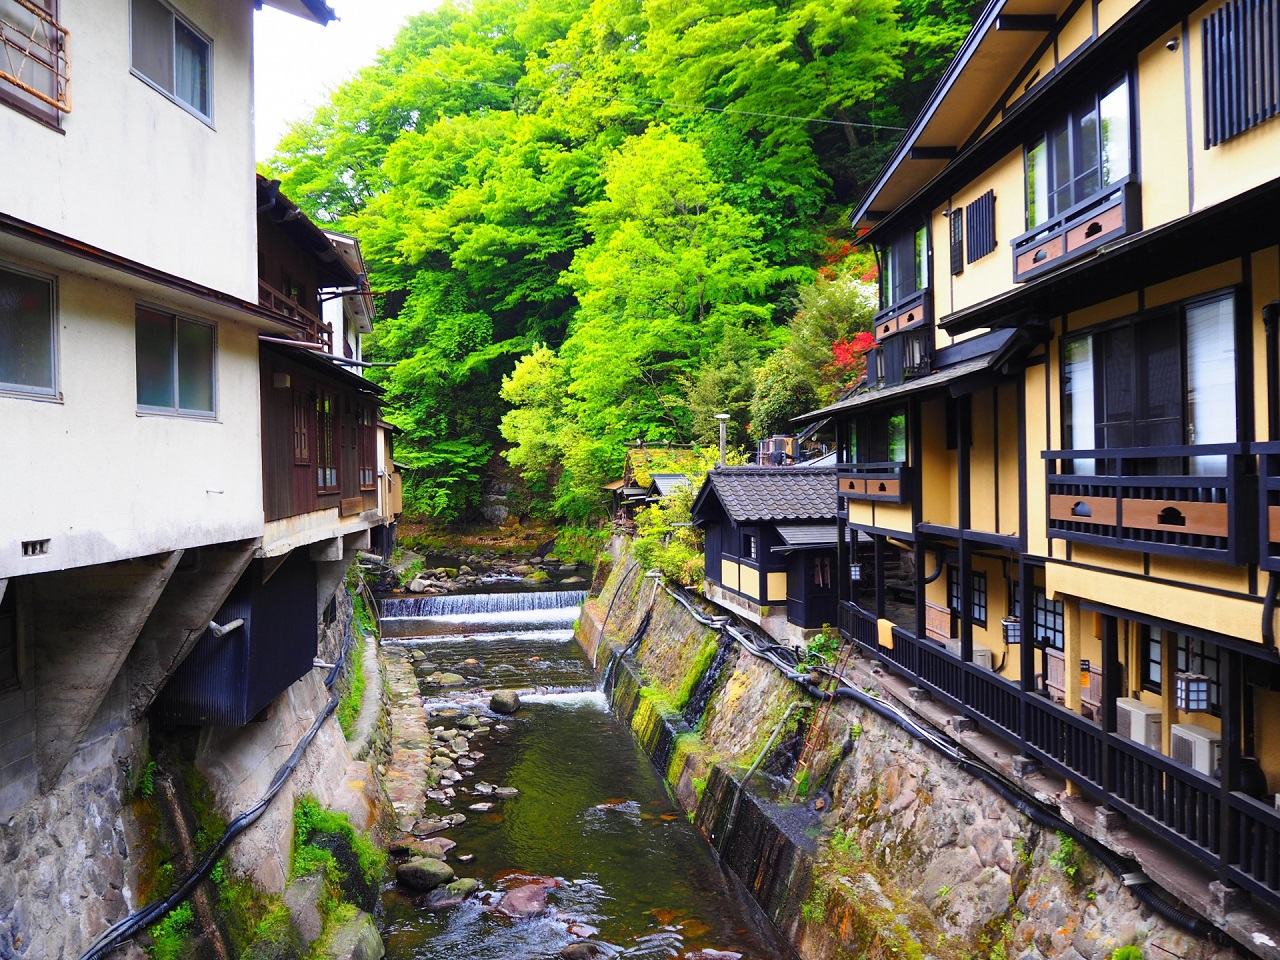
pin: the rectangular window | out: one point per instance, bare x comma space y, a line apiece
1241, 84
822, 573
1164, 379
27, 333
326, 443
881, 437
749, 546
978, 598
35, 74
1047, 620
906, 267
175, 363
1082, 155
1152, 658
953, 589
171, 55
367, 440
980, 219
957, 242
1197, 656
9, 677
303, 414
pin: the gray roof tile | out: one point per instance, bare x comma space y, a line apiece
775, 493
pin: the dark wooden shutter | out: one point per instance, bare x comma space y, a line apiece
1241, 68
981, 217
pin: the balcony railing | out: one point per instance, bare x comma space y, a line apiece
916, 308
873, 481
1269, 504
1077, 230
313, 327
859, 626
1124, 505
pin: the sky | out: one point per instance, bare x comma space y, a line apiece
296, 63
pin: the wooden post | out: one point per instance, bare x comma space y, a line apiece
1111, 689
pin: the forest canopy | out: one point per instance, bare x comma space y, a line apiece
592, 223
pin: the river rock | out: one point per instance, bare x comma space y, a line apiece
469, 722
524, 902
434, 847
573, 580
483, 788
459, 745
451, 680
424, 873
481, 807
302, 900
505, 791
521, 570
418, 586
425, 828
357, 939
466, 762
504, 701
585, 950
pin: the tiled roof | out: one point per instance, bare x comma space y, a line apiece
774, 493
668, 483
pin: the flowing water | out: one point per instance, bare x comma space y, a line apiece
591, 815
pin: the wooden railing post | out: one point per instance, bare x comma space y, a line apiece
1111, 690
1228, 819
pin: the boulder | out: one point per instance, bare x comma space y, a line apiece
583, 950
417, 585
538, 576
521, 570
504, 701
452, 680
357, 939
574, 580
302, 900
524, 902
434, 847
424, 873
469, 722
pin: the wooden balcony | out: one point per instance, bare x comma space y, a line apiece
315, 329
1269, 505
1125, 505
915, 309
886, 482
1115, 213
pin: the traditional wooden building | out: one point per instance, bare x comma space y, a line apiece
770, 545
1071, 423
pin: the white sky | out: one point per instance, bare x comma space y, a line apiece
296, 63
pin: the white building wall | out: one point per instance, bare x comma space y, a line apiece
103, 482
135, 173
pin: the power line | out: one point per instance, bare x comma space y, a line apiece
693, 106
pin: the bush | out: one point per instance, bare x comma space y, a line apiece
169, 935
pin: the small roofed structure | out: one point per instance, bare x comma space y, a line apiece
664, 484
771, 546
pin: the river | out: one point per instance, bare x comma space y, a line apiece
591, 815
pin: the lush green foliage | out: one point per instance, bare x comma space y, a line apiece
590, 220
308, 818
169, 936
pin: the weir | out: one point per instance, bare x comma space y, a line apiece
463, 604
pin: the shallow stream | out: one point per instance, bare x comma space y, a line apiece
591, 814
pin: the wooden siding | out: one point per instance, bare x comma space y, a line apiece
290, 488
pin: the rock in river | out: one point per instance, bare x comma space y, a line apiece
524, 902
424, 873
505, 701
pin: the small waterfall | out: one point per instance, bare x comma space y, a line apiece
707, 683
462, 604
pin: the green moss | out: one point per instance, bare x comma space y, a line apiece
693, 676
308, 818
352, 698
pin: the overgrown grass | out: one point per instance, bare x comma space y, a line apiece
580, 544
169, 936
706, 653
353, 697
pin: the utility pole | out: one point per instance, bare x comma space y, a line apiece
724, 419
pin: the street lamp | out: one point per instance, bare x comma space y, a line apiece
724, 419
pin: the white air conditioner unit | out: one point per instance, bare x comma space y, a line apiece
1138, 722
981, 654
1195, 747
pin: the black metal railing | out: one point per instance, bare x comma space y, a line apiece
992, 697
888, 481
1149, 499
1163, 794
1255, 864
859, 626
1268, 505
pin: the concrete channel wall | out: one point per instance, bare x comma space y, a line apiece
890, 851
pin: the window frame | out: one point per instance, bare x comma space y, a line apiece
206, 119
751, 546
25, 391
1151, 668
303, 428
1175, 312
873, 433
1072, 116
1048, 616
1190, 655
367, 456
328, 444
908, 248
152, 410
32, 107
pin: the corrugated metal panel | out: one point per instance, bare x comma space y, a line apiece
227, 680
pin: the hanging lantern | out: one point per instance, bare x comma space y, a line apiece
855, 572
1191, 692
1012, 629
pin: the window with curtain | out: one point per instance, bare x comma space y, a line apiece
27, 331
174, 363
1164, 379
171, 55
905, 269
1084, 153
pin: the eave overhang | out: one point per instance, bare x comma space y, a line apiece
978, 79
317, 11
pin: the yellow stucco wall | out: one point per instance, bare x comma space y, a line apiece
1076, 32
777, 586
1109, 11
729, 574
1162, 108
1266, 287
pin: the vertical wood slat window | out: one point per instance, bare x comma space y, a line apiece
367, 451
957, 242
1241, 68
35, 74
302, 414
326, 443
980, 217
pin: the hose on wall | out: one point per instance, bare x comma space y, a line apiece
785, 660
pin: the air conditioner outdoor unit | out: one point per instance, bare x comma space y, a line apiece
1195, 747
981, 654
1138, 722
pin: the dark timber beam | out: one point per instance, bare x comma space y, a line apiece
85, 623
1026, 22
193, 595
